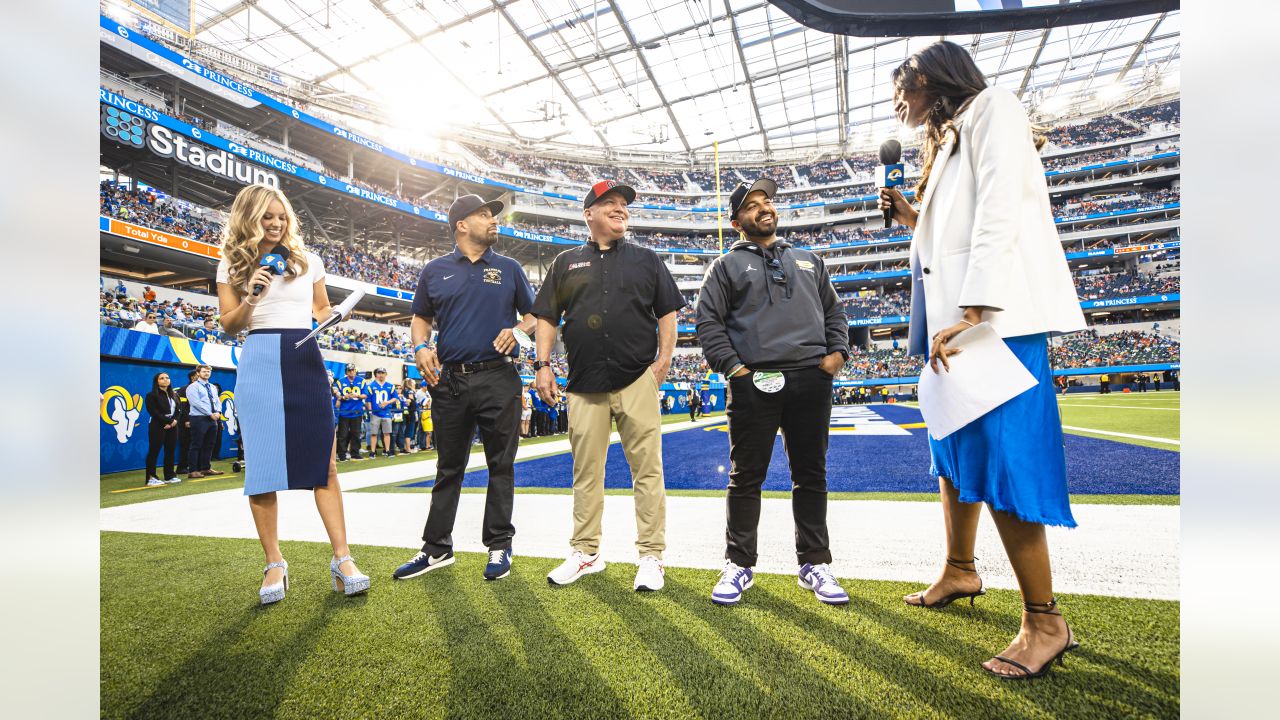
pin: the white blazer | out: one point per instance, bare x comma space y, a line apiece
985, 234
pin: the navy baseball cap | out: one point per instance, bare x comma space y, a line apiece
740, 193
607, 186
464, 206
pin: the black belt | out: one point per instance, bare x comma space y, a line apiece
466, 368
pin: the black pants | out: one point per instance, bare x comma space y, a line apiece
157, 438
204, 433
349, 437
461, 402
802, 409
184, 446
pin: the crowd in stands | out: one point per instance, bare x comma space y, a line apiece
381, 268
1126, 347
1096, 287
1104, 129
1075, 207
1169, 113
150, 209
876, 306
688, 367
879, 363
664, 181
824, 172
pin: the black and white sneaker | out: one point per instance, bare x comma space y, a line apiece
421, 563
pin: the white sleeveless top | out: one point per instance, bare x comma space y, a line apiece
287, 303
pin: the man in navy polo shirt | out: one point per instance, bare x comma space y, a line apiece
472, 297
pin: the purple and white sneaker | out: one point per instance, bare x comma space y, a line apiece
733, 582
824, 585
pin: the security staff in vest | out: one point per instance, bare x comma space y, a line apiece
769, 319
618, 302
472, 296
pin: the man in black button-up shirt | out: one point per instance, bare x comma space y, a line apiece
618, 302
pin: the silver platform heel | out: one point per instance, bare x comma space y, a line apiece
274, 593
347, 584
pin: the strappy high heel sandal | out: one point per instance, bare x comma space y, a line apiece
943, 602
1049, 608
347, 584
274, 593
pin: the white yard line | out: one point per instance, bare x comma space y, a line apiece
1118, 550
1123, 435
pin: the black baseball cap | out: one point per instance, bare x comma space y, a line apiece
607, 186
740, 193
464, 206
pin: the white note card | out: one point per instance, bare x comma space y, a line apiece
982, 378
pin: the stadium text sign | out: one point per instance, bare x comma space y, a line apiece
167, 144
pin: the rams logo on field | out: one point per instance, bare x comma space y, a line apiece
493, 276
227, 403
120, 410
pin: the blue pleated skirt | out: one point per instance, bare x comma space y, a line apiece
285, 408
1013, 458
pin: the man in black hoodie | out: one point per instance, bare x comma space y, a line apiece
769, 319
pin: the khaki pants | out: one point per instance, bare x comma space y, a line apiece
635, 408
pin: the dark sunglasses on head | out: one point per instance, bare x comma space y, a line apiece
776, 272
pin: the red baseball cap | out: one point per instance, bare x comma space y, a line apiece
607, 186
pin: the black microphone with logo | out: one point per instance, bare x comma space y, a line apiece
277, 260
891, 172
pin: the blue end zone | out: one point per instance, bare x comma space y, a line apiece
868, 463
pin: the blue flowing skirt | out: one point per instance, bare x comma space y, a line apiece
285, 408
1013, 458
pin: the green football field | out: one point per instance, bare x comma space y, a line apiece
183, 636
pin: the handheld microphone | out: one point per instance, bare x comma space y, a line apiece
277, 261
891, 172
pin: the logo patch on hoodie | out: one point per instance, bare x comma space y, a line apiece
804, 265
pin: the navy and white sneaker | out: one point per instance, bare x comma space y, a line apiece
823, 583
421, 563
499, 564
733, 582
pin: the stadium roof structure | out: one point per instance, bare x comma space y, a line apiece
668, 77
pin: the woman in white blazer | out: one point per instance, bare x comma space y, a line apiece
985, 249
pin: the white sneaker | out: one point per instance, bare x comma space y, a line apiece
175, 480
650, 575
577, 565
155, 482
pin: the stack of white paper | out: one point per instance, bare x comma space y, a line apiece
983, 377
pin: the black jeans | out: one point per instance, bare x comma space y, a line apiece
461, 402
349, 437
157, 438
802, 409
204, 433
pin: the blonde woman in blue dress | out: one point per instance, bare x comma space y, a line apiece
283, 397
985, 249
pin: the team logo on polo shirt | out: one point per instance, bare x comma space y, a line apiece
804, 265
575, 266
493, 275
